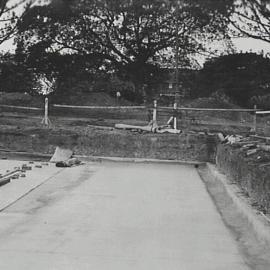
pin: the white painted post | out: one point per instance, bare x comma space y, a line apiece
255, 119
174, 116
46, 120
155, 112
46, 112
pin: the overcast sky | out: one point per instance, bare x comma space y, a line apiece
247, 44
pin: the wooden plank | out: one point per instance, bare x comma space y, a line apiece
4, 181
131, 127
6, 178
207, 109
260, 137
263, 112
99, 107
20, 107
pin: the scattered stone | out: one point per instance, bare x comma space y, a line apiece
264, 147
68, 163
26, 168
38, 166
221, 137
251, 152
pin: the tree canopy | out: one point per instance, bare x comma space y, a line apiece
125, 36
239, 76
10, 14
252, 19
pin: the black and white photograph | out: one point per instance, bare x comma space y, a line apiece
134, 134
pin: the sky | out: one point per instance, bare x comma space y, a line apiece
250, 44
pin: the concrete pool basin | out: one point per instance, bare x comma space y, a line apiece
115, 215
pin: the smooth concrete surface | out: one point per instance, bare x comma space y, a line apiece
118, 216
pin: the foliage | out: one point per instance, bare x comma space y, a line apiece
44, 85
13, 76
238, 76
9, 16
252, 19
120, 36
262, 102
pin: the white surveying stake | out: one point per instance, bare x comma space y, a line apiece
46, 121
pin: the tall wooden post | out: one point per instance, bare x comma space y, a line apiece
174, 116
155, 112
46, 121
255, 119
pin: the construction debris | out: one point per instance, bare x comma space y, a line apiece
61, 154
134, 128
252, 152
149, 128
221, 137
68, 163
63, 158
264, 147
169, 127
26, 168
249, 145
232, 139
38, 166
5, 179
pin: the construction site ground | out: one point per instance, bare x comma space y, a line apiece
53, 213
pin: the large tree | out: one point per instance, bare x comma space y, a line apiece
10, 13
130, 36
239, 76
252, 19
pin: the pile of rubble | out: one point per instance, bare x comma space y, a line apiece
252, 146
64, 158
18, 172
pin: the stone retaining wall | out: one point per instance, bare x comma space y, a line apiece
113, 143
248, 172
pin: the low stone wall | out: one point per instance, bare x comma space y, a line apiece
113, 143
247, 172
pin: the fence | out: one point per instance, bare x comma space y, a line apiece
198, 119
263, 122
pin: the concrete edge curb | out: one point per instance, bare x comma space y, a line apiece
40, 156
258, 222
